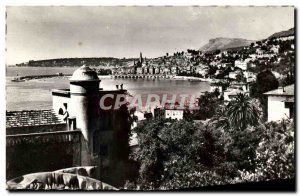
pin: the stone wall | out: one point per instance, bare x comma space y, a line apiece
36, 129
39, 152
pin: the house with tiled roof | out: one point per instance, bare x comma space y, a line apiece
33, 121
281, 103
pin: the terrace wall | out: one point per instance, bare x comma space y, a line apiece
39, 152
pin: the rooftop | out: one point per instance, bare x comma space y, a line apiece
31, 118
287, 91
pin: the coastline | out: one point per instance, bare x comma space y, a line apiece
60, 72
192, 78
35, 77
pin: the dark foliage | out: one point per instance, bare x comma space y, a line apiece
265, 81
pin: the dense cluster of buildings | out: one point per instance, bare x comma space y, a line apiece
230, 72
167, 65
211, 64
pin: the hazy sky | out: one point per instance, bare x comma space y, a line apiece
35, 33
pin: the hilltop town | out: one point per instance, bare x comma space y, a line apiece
275, 53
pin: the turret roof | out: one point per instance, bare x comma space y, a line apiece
84, 73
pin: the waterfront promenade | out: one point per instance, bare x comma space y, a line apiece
128, 76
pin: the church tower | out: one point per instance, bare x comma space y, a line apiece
141, 58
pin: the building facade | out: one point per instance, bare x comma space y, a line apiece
281, 103
241, 64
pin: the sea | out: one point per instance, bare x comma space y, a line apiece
36, 94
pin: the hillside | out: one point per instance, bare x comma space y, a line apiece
225, 43
283, 33
76, 62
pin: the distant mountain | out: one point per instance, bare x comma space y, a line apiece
283, 33
225, 43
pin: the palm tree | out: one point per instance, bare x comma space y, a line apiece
220, 120
242, 111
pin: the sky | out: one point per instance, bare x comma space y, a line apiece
36, 33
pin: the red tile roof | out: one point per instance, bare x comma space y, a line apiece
31, 118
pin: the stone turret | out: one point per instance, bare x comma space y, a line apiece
84, 105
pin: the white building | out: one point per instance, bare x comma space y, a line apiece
157, 70
139, 70
259, 51
275, 49
145, 70
174, 114
241, 64
232, 75
287, 38
250, 76
280, 103
218, 72
166, 70
174, 70
202, 71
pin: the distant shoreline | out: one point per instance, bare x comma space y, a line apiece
36, 77
60, 73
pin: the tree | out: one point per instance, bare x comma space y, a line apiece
275, 154
240, 77
217, 52
207, 103
242, 112
236, 121
150, 155
187, 115
258, 43
220, 120
212, 70
288, 80
265, 81
179, 154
